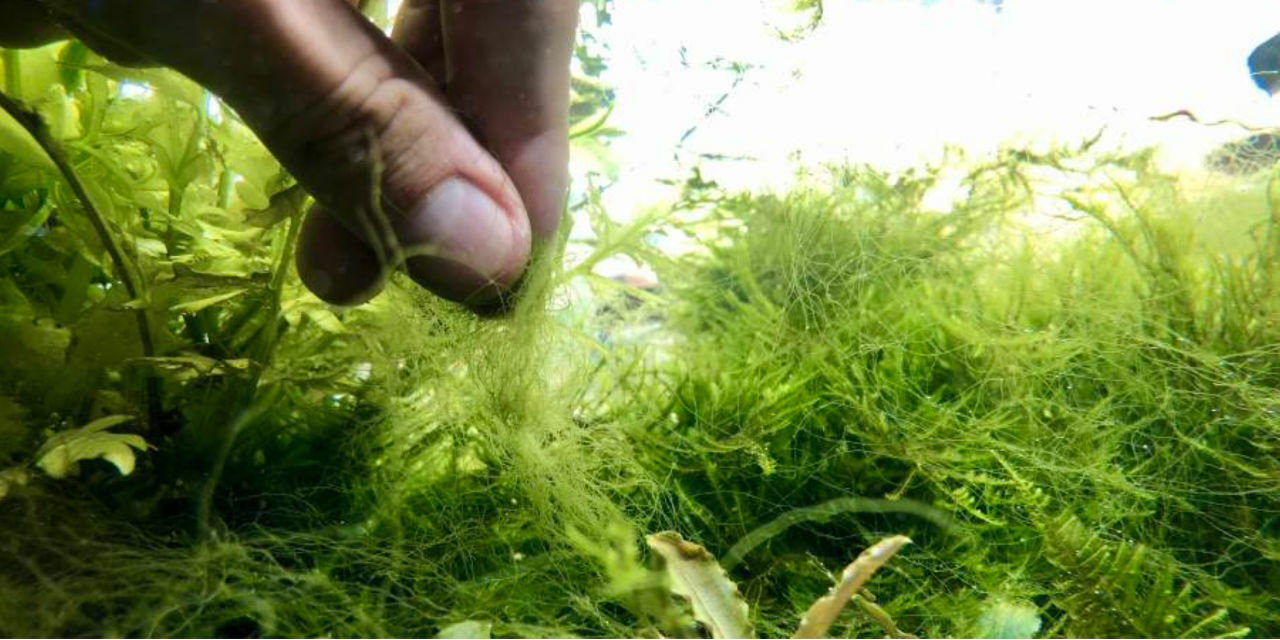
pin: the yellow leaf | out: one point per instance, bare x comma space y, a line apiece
61, 453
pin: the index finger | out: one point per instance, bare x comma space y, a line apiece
504, 65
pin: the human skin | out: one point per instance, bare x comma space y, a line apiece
461, 116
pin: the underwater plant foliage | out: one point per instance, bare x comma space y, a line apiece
1076, 429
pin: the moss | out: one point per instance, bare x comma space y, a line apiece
840, 345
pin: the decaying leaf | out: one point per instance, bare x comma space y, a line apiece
62, 452
819, 618
697, 576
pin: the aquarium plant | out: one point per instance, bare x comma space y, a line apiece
1074, 423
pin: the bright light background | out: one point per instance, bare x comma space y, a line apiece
892, 82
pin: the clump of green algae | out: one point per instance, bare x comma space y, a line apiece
1084, 426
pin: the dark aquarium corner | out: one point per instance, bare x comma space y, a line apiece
865, 318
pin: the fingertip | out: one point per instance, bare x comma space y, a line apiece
539, 168
459, 283
463, 245
335, 265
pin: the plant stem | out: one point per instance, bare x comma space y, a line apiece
1271, 240
262, 354
132, 284
295, 196
204, 505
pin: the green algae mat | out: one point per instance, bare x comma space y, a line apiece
1062, 389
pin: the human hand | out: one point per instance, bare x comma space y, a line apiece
456, 126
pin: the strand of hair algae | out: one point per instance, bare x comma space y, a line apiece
529, 375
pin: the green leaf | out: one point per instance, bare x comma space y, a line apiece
12, 477
61, 453
15, 141
591, 124
479, 629
696, 576
325, 319
193, 306
23, 226
163, 82
13, 428
284, 205
252, 196
188, 367
71, 62
38, 69
376, 11
75, 290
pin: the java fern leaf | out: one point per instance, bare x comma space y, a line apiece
696, 576
62, 452
819, 618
